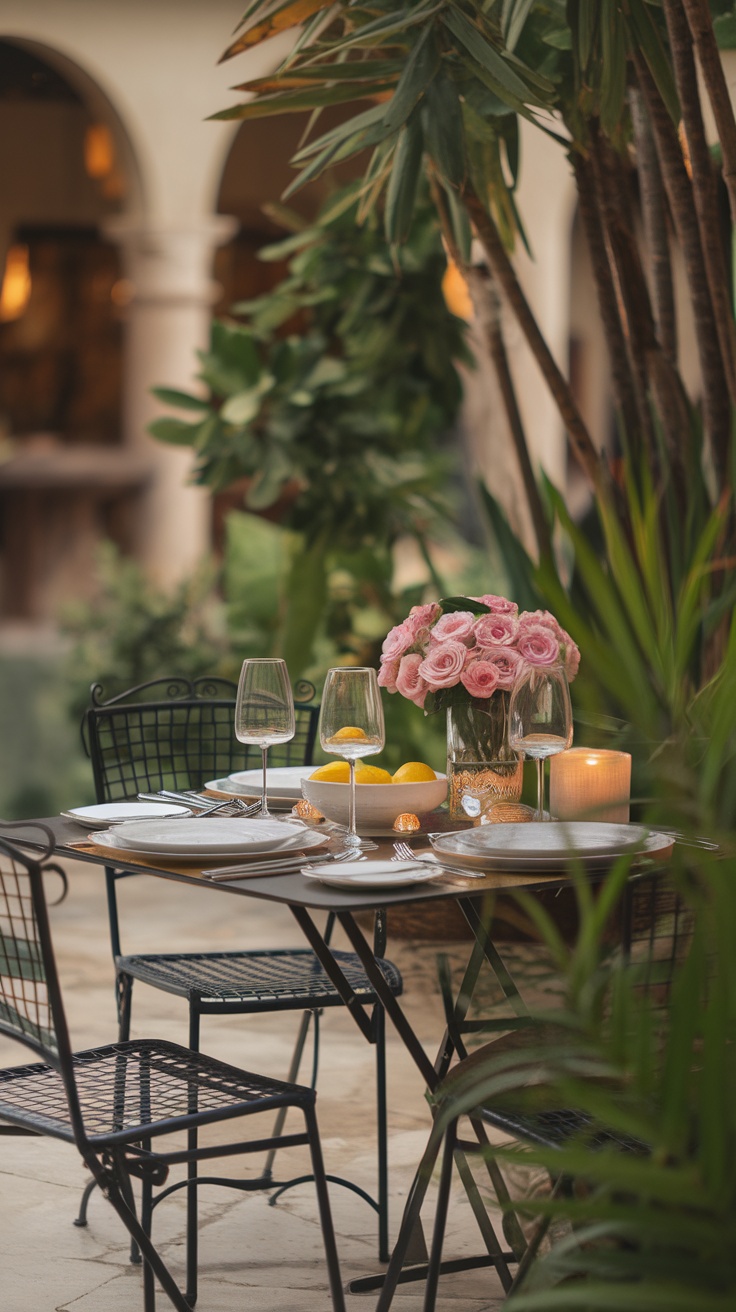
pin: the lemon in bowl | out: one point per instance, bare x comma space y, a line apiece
379, 796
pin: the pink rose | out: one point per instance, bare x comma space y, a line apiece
397, 641
444, 665
423, 616
409, 681
507, 663
387, 674
495, 630
457, 626
539, 646
498, 605
572, 660
480, 677
532, 619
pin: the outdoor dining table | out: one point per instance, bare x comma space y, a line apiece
305, 898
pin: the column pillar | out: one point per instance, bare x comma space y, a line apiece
171, 292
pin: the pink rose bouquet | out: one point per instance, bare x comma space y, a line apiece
466, 649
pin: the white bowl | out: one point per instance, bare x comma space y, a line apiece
376, 805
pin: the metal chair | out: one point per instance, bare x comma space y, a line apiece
179, 734
651, 935
115, 1103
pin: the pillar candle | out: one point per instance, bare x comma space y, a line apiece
590, 784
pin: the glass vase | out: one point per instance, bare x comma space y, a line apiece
479, 760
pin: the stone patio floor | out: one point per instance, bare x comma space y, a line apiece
253, 1257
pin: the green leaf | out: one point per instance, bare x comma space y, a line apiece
174, 431
507, 84
513, 18
613, 56
444, 133
242, 407
646, 37
404, 181
180, 400
421, 67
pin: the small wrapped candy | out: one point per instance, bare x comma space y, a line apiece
507, 813
407, 823
304, 810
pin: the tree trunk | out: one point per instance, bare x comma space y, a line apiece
580, 439
656, 228
716, 408
700, 23
608, 302
705, 196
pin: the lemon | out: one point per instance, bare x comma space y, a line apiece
350, 731
371, 774
414, 772
335, 772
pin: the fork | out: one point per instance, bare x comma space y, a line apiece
403, 852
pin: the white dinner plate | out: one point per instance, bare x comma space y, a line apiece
542, 839
110, 813
303, 841
454, 845
215, 833
278, 802
281, 781
371, 874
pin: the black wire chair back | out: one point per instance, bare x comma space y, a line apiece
179, 733
115, 1102
29, 992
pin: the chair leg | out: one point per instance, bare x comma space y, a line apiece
381, 1133
114, 1188
192, 1236
325, 1214
440, 1220
296, 1058
123, 999
409, 1221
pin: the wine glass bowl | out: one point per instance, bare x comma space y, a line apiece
264, 710
540, 719
351, 723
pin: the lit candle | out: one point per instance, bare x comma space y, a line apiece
588, 784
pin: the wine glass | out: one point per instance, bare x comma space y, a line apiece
264, 710
351, 724
540, 719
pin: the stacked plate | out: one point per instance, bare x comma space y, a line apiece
103, 814
206, 838
283, 785
549, 846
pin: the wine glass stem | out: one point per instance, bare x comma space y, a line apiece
352, 831
264, 801
540, 788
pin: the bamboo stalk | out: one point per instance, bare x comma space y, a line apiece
700, 23
704, 196
608, 301
716, 408
656, 227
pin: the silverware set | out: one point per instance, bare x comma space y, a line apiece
203, 805
403, 852
284, 864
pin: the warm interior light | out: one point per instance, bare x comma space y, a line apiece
16, 288
99, 151
456, 292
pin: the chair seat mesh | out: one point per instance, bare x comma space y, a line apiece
270, 980
553, 1128
130, 1090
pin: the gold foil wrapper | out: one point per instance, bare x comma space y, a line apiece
304, 810
407, 823
509, 813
